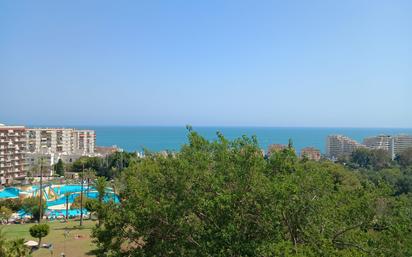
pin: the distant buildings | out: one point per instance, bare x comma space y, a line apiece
107, 150
338, 146
12, 153
21, 149
60, 140
311, 153
378, 142
275, 148
393, 144
399, 143
51, 144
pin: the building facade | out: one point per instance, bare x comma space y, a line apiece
85, 141
311, 153
107, 150
399, 143
339, 146
56, 140
60, 141
393, 144
48, 145
378, 142
13, 164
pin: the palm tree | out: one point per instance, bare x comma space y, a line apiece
18, 249
67, 195
90, 174
15, 248
3, 243
100, 185
41, 164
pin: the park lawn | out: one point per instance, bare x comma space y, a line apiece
71, 246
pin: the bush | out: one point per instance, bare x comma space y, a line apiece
39, 231
12, 204
5, 213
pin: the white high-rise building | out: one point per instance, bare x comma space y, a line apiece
85, 141
393, 144
378, 142
399, 143
60, 140
338, 145
12, 153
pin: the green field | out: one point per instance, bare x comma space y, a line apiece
77, 244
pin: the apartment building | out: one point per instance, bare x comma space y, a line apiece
339, 145
54, 140
60, 140
378, 142
311, 153
393, 144
85, 141
399, 143
12, 153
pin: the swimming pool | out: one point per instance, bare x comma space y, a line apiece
59, 197
9, 192
93, 194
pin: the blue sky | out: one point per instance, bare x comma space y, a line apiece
224, 63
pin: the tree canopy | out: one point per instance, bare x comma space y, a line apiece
59, 167
224, 198
39, 231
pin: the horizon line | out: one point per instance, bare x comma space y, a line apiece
210, 126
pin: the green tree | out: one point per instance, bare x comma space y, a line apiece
76, 202
31, 206
405, 157
39, 231
223, 198
18, 249
5, 214
12, 248
100, 185
89, 175
13, 204
92, 206
59, 167
371, 158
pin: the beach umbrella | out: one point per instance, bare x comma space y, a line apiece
31, 243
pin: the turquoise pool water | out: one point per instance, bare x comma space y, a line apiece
9, 192
92, 194
60, 191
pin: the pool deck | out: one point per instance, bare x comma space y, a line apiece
59, 207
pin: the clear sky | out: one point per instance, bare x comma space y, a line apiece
226, 63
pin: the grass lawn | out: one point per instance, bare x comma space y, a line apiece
71, 246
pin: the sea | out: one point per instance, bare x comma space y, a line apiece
156, 139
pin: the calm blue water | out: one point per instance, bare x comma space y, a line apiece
172, 138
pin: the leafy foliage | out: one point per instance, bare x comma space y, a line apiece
13, 248
39, 231
5, 213
31, 205
59, 167
223, 198
108, 167
100, 185
405, 158
77, 201
12, 204
368, 158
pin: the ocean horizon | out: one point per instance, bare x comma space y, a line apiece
160, 138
